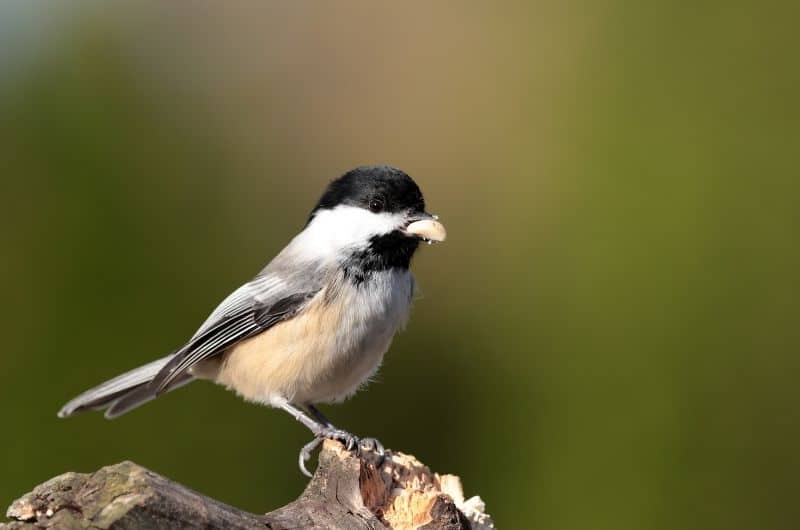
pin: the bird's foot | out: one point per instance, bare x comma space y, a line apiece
350, 441
372, 451
372, 445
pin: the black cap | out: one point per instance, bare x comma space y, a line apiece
377, 188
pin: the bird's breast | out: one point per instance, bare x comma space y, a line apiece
328, 350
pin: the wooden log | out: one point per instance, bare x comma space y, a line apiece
347, 492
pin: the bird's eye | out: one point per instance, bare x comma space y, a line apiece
376, 205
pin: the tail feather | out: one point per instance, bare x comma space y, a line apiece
128, 390
140, 395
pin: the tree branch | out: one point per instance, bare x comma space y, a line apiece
347, 492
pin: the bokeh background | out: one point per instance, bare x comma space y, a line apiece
608, 339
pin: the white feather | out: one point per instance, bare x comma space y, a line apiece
333, 233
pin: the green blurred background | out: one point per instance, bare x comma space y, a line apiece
608, 339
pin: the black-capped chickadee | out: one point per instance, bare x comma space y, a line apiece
313, 326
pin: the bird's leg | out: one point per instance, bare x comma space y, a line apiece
321, 430
319, 415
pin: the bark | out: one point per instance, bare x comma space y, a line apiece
347, 492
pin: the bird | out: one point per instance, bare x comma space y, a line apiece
312, 327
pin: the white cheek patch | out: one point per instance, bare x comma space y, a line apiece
346, 227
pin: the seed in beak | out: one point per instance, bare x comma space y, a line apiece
428, 229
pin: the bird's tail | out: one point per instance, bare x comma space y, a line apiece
123, 393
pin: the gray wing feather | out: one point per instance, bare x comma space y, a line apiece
215, 340
263, 285
276, 294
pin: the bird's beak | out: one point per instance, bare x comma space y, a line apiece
426, 227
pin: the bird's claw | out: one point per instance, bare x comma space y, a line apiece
372, 445
350, 441
305, 454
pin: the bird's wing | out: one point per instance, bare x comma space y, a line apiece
275, 295
262, 286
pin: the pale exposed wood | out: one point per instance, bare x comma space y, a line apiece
346, 492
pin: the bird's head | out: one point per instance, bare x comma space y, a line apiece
375, 212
